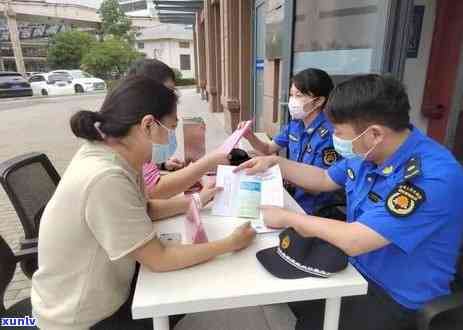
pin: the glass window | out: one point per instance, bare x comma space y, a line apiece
80, 74
342, 37
185, 62
58, 77
37, 78
11, 78
141, 45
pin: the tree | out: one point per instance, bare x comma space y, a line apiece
66, 49
112, 56
114, 21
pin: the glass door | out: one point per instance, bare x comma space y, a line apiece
349, 37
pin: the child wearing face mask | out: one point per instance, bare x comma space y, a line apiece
162, 154
308, 135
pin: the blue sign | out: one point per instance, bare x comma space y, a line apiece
259, 64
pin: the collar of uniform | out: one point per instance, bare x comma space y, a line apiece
402, 154
114, 156
320, 119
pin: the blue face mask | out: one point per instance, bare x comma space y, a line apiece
162, 152
345, 147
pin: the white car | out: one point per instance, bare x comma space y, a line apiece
51, 84
83, 81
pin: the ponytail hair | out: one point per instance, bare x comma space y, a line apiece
84, 125
124, 107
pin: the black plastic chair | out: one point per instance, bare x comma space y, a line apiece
29, 181
445, 313
8, 261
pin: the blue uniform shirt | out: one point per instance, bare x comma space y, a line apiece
414, 201
312, 145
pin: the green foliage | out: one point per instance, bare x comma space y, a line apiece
178, 74
114, 21
110, 57
111, 83
185, 82
66, 49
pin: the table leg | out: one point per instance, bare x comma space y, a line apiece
332, 312
161, 323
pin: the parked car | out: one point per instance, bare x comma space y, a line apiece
30, 74
83, 81
51, 84
13, 84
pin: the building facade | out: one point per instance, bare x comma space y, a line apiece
247, 51
170, 43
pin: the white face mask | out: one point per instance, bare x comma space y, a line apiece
296, 108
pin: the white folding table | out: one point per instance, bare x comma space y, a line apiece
235, 280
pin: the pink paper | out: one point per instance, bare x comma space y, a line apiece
233, 139
194, 228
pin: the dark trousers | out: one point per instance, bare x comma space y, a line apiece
122, 319
373, 311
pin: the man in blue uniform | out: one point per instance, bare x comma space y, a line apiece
404, 212
308, 135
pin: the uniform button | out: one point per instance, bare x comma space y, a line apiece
310, 130
370, 179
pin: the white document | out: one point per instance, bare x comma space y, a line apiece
242, 194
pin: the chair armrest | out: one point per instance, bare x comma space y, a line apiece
436, 307
29, 241
26, 254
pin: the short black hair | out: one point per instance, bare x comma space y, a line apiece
313, 82
153, 69
370, 99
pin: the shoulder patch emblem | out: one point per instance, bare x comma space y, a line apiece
351, 174
404, 199
412, 168
323, 131
285, 242
330, 156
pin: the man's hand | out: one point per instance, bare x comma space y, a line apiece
257, 164
173, 164
276, 217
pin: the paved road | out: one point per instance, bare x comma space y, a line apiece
42, 124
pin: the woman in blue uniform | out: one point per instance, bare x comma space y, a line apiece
308, 135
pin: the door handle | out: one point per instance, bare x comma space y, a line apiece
433, 111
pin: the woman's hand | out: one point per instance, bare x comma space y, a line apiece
248, 134
173, 164
208, 193
216, 158
276, 217
241, 237
257, 164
